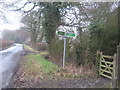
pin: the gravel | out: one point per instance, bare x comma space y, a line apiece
74, 83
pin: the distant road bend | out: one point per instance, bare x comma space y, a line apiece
9, 61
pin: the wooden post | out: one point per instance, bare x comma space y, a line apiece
118, 66
98, 60
114, 77
100, 63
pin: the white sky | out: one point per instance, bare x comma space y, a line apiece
13, 18
13, 21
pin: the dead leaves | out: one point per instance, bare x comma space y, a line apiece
73, 72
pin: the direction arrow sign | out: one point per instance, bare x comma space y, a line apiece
70, 35
60, 33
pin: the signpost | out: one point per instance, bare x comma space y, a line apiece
64, 52
60, 33
70, 35
65, 35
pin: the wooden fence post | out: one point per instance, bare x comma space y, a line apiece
114, 82
98, 60
118, 66
100, 63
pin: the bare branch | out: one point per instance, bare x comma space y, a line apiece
21, 7
31, 9
71, 25
83, 8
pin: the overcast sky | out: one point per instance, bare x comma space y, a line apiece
13, 17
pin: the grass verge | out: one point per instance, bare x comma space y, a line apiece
37, 65
28, 48
38, 60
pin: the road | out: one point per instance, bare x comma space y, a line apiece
9, 60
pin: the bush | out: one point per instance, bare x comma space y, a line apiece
42, 47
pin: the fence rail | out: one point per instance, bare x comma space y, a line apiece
106, 66
110, 67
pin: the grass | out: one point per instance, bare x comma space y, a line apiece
38, 60
38, 65
44, 53
29, 48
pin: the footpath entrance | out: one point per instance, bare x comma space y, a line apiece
109, 67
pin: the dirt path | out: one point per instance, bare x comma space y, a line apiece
77, 83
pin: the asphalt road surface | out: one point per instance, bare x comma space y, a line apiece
9, 60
